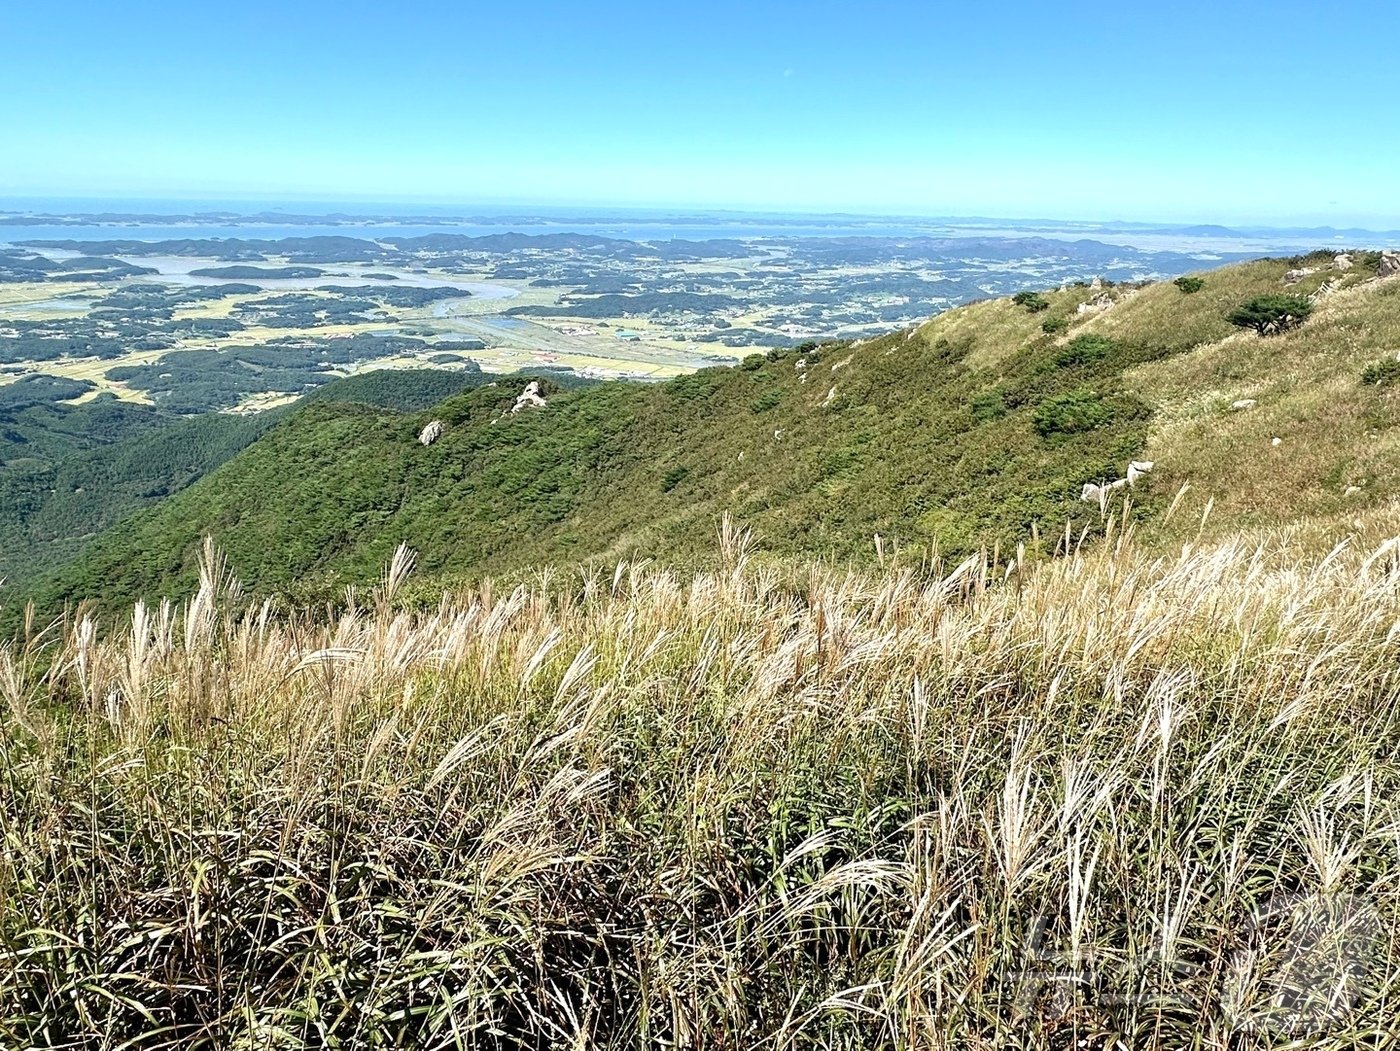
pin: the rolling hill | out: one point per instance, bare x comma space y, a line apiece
977, 429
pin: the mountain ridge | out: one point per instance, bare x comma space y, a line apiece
979, 428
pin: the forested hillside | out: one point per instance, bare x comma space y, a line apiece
72, 471
978, 429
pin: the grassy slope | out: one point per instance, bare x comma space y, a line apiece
925, 437
1336, 431
897, 450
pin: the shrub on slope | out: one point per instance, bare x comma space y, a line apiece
878, 438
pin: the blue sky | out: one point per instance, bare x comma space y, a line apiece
1277, 112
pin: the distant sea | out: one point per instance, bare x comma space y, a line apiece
627, 231
259, 219
625, 224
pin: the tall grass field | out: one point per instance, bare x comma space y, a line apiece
1115, 799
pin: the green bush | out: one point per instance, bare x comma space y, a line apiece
1367, 261
1073, 412
673, 478
768, 400
841, 461
1054, 325
1271, 314
1318, 258
988, 405
1084, 350
1032, 301
752, 363
698, 386
1189, 285
1381, 373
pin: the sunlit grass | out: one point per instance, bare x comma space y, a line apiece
998, 328
1336, 434
1050, 805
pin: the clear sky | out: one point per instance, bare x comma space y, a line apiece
1228, 111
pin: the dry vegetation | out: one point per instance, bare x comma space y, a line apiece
1335, 431
1111, 800
1338, 451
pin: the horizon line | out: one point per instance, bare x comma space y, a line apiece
597, 210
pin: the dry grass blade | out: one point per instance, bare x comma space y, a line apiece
1113, 799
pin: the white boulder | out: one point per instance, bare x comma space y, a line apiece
431, 433
1100, 302
1138, 468
529, 398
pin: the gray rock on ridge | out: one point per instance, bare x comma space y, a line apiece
529, 398
1102, 301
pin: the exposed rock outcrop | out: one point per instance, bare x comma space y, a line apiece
1342, 262
1099, 493
529, 398
431, 433
1100, 302
1294, 276
1389, 265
